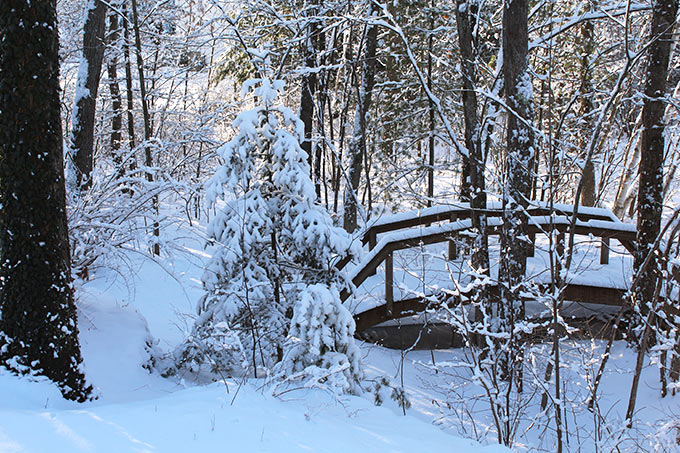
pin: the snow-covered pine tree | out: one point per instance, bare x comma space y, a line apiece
274, 256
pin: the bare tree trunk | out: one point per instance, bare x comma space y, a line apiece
116, 98
322, 90
357, 145
431, 141
87, 86
587, 47
650, 190
308, 89
466, 13
147, 119
128, 84
520, 158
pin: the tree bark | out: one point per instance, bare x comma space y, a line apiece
517, 190
520, 149
587, 47
308, 90
38, 323
116, 98
475, 188
431, 113
147, 119
128, 85
652, 144
87, 86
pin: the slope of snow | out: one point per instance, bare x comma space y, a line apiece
138, 411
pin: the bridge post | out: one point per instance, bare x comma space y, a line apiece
604, 251
559, 247
389, 284
371, 240
453, 248
531, 246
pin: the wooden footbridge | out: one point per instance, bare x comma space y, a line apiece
441, 224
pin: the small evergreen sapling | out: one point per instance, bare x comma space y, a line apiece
272, 281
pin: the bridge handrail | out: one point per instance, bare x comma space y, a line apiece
462, 210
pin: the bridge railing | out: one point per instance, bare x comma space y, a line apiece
588, 223
462, 210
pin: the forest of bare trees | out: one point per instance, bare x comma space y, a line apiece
197, 112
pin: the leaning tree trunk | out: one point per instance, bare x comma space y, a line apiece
38, 324
87, 86
357, 145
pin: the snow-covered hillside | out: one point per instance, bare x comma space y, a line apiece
145, 304
138, 411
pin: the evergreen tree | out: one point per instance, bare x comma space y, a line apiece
273, 241
38, 329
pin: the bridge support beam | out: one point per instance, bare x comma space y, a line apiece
559, 246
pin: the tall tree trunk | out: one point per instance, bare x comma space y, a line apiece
116, 98
38, 323
87, 86
128, 84
147, 119
650, 188
357, 145
466, 13
587, 47
431, 113
308, 90
520, 164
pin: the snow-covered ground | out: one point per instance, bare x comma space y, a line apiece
145, 302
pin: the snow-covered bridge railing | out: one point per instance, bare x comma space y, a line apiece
462, 210
592, 222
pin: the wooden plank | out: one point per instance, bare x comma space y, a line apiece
453, 249
371, 239
594, 295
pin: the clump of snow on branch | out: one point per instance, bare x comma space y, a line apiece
320, 347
